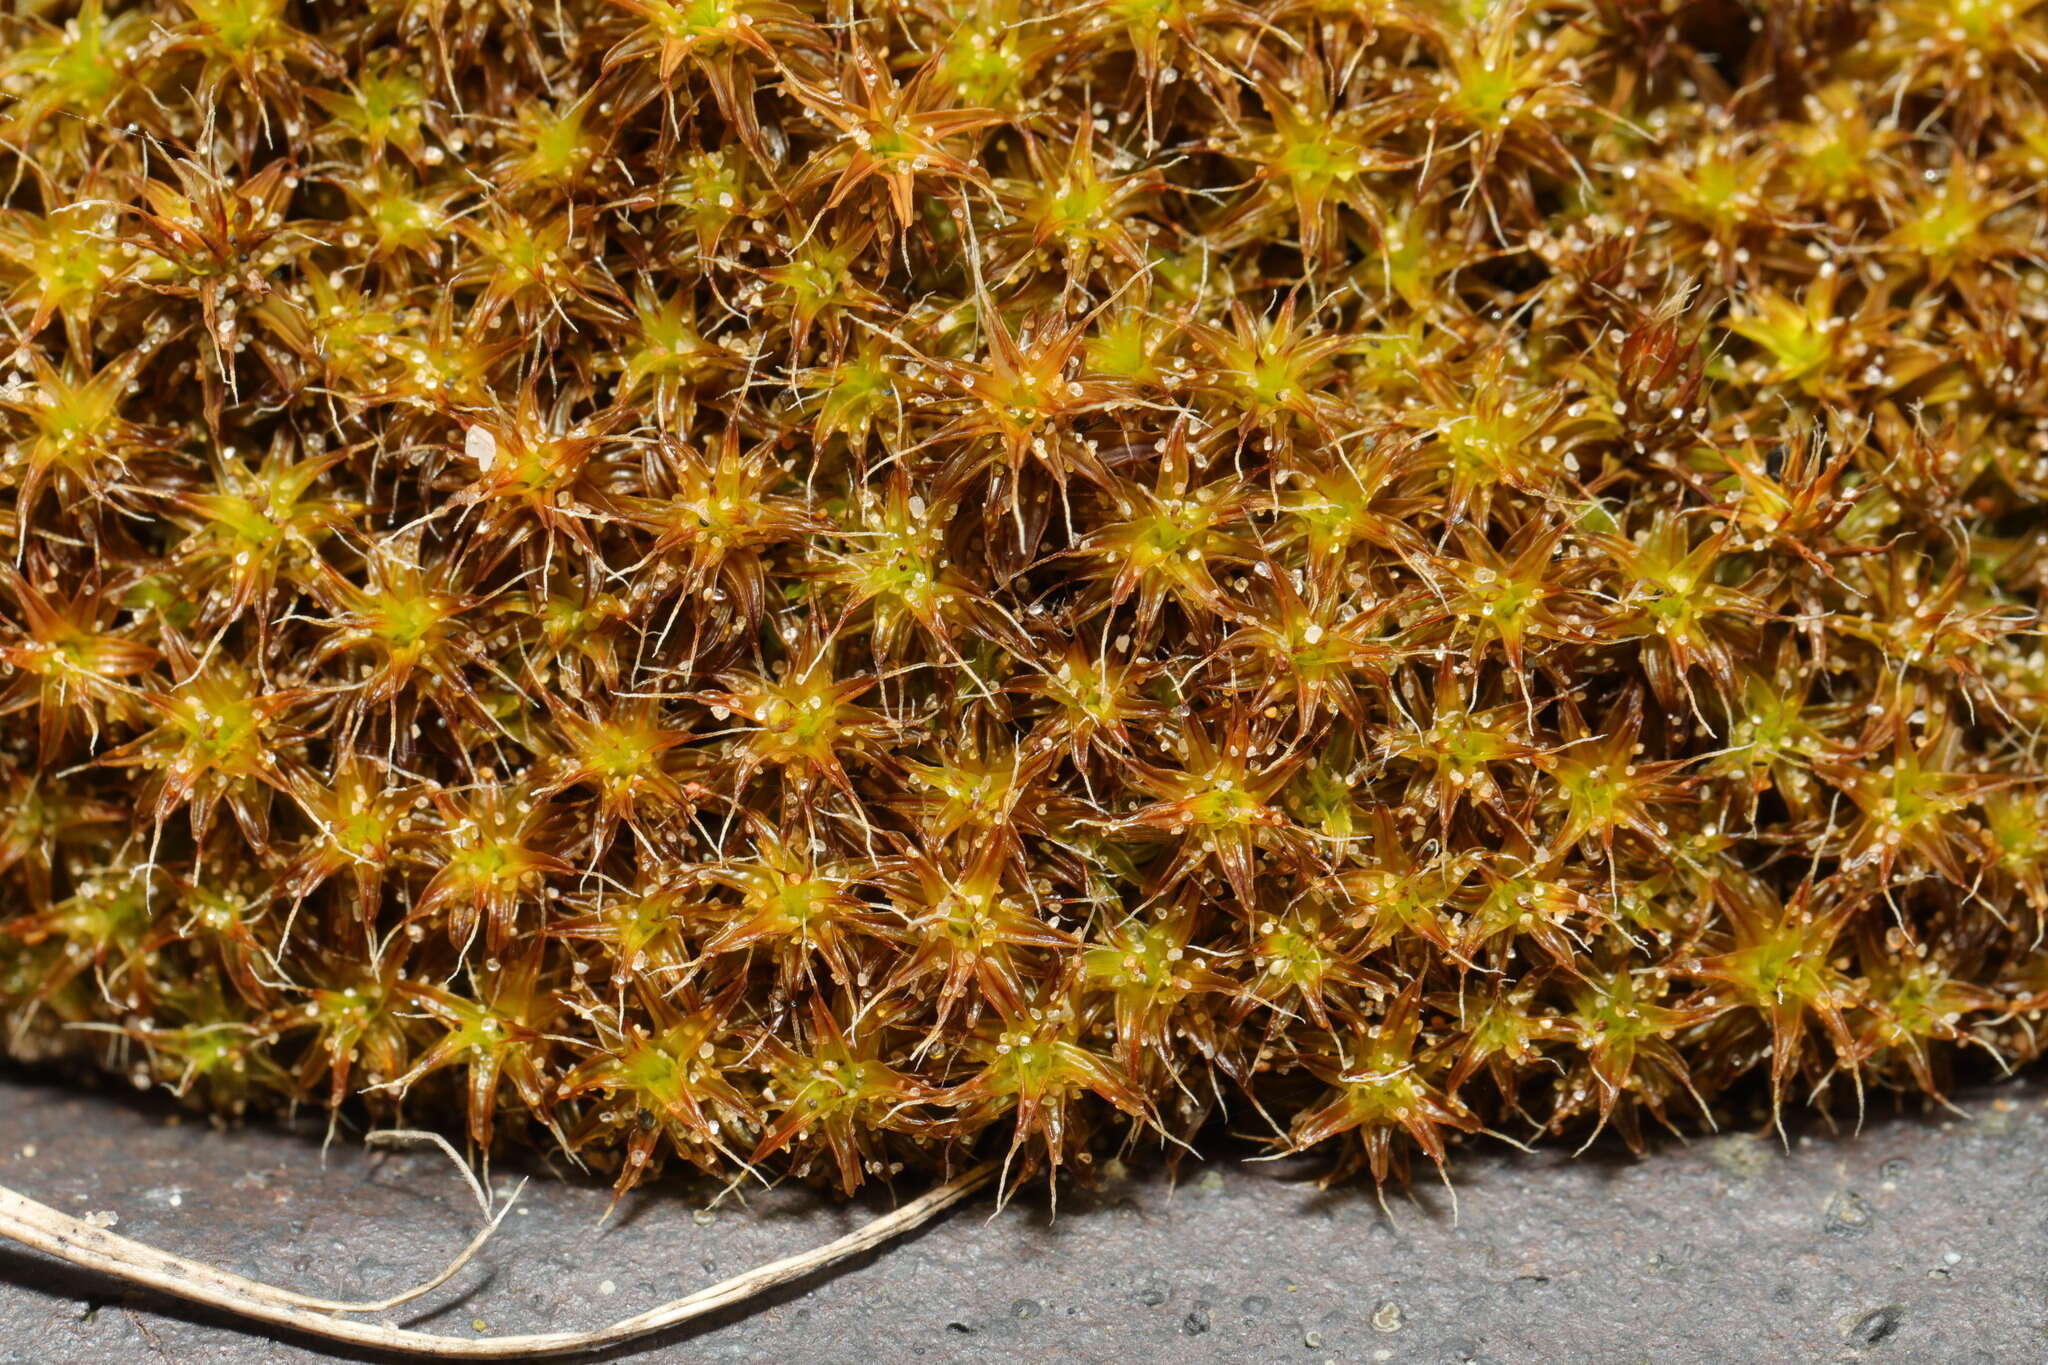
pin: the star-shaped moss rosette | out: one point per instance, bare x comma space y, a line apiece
828, 588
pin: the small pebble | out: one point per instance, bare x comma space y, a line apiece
607, 1289
480, 445
1848, 1215
1877, 1324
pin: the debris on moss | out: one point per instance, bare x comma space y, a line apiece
817, 586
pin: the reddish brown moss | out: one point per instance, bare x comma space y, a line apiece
817, 585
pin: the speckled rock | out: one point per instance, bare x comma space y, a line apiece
1917, 1242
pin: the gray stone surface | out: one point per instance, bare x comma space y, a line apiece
1918, 1241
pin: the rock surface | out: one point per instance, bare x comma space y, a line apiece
1918, 1242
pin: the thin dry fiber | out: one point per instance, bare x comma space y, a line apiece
832, 587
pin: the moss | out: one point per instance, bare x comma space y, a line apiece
757, 582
